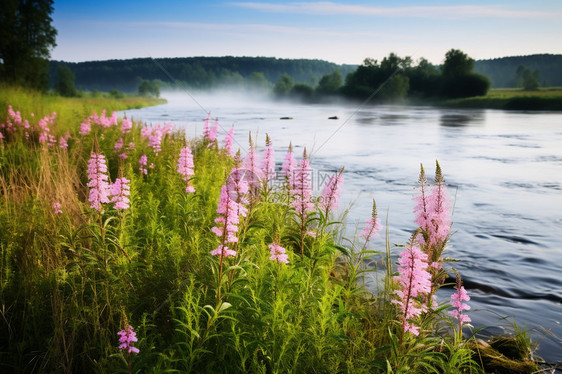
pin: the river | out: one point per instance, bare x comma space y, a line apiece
503, 171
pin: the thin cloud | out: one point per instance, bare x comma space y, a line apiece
247, 28
455, 11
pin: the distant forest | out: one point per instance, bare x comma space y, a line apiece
300, 76
502, 71
195, 72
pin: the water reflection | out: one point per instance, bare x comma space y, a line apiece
461, 118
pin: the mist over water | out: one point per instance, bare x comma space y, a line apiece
503, 171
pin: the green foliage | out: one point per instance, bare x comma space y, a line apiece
283, 86
64, 85
149, 88
330, 83
26, 38
527, 79
197, 72
457, 64
502, 71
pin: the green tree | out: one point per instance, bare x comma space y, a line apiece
457, 63
330, 83
257, 81
302, 91
65, 82
527, 78
283, 85
458, 78
149, 88
26, 38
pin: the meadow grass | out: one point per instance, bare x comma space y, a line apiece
71, 281
548, 99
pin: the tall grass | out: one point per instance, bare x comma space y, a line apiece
69, 282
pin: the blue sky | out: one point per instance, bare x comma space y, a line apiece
337, 31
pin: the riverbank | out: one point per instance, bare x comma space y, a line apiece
70, 110
546, 99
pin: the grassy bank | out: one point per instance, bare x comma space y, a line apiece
70, 111
548, 99
206, 264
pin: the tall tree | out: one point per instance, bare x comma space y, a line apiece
65, 81
26, 39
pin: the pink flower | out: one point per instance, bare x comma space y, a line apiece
118, 144
206, 129
302, 187
373, 225
278, 253
142, 164
97, 176
131, 146
433, 208
57, 208
228, 140
223, 251
127, 338
155, 140
289, 164
212, 134
126, 126
185, 167
268, 161
457, 299
123, 156
62, 143
253, 173
85, 127
414, 281
331, 193
227, 222
120, 191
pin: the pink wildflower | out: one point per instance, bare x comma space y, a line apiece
268, 161
85, 127
142, 164
433, 209
457, 299
238, 190
57, 207
206, 129
185, 167
126, 126
62, 143
302, 187
278, 253
97, 176
146, 132
331, 193
373, 225
414, 281
131, 146
289, 165
228, 140
123, 156
253, 173
212, 135
127, 338
155, 140
227, 222
118, 144
120, 191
